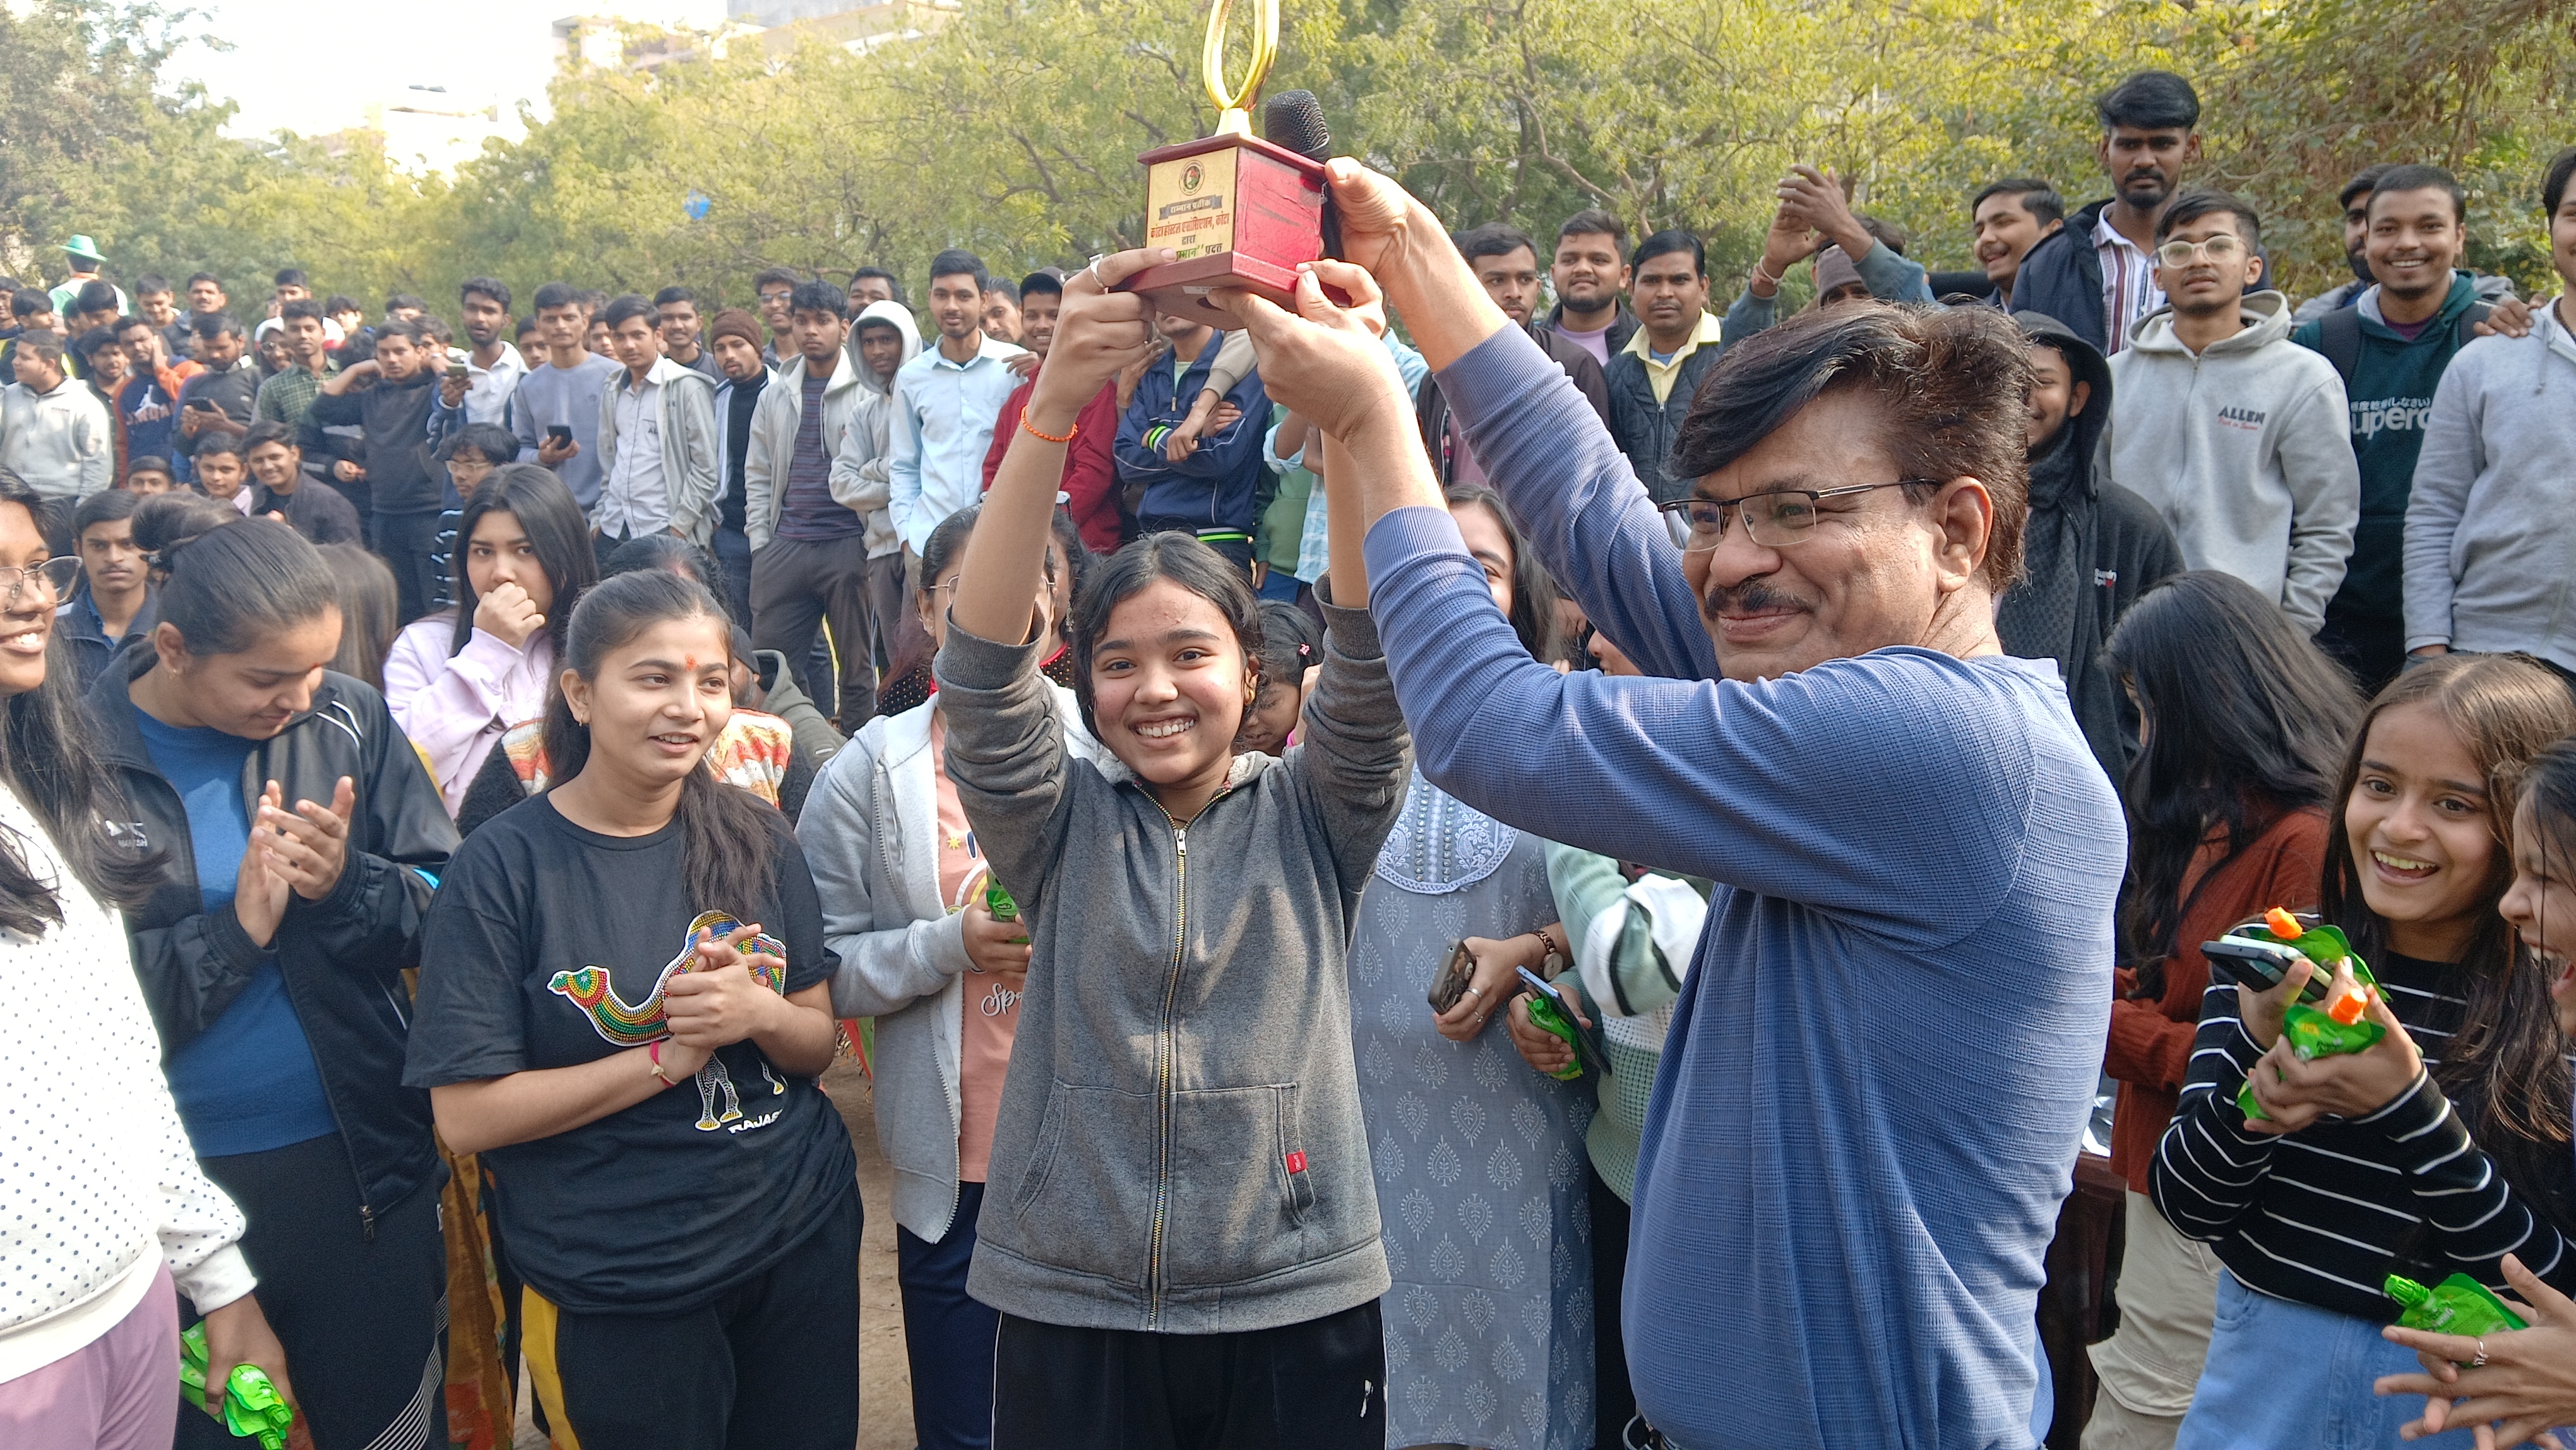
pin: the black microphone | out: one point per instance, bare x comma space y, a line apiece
1294, 121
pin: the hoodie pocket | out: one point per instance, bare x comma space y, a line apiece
1085, 1202
1242, 1190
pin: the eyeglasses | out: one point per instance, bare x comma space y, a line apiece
1774, 520
2221, 249
54, 575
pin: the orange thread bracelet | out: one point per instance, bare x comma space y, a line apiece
1049, 437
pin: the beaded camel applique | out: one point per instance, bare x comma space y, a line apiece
626, 1024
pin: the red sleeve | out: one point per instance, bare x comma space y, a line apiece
1091, 473
1005, 427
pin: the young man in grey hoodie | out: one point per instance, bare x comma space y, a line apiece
2487, 526
883, 339
2236, 434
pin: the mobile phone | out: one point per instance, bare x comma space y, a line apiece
2249, 962
560, 434
1584, 1052
456, 370
203, 406
1457, 972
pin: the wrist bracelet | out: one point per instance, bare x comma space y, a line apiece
1548, 942
654, 1055
1765, 278
1032, 428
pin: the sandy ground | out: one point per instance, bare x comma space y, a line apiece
885, 1382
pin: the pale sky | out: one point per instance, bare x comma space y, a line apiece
484, 52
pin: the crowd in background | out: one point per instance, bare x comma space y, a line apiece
472, 776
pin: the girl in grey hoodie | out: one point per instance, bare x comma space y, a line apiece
1181, 1231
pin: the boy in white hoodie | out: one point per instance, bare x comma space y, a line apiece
884, 339
2236, 434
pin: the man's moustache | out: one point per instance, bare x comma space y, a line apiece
1750, 597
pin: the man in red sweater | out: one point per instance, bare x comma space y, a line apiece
1090, 476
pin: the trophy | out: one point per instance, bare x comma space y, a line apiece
1240, 211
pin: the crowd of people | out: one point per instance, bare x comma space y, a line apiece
1694, 817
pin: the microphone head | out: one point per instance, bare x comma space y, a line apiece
1294, 121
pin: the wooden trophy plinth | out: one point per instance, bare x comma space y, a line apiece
1239, 211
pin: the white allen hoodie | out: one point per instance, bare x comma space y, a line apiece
2245, 450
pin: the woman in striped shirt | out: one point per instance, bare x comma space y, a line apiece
2366, 1165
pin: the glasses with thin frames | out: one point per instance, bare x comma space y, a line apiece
54, 575
2221, 249
1774, 520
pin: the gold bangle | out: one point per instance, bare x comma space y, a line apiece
1032, 428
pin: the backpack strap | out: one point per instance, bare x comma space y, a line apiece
2339, 338
2465, 331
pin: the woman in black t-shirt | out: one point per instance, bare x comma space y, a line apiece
624, 1001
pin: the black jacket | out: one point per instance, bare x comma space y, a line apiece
343, 956
2121, 549
2061, 276
1623, 325
316, 509
85, 639
1644, 428
1431, 411
233, 390
394, 417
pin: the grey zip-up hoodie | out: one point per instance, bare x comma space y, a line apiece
1179, 1148
2244, 450
2488, 554
860, 454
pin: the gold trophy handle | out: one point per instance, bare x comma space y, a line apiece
1235, 106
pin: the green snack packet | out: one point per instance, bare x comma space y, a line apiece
2312, 1034
252, 1408
2458, 1305
1543, 1013
999, 903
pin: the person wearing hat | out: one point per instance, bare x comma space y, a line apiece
81, 255
734, 340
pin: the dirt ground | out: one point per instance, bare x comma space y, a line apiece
885, 1381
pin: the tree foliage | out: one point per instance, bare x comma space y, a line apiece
1014, 130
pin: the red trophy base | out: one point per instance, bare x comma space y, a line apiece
1239, 211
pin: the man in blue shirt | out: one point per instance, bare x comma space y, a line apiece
945, 403
1880, 1067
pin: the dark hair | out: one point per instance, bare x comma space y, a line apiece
2246, 723
1948, 383
2548, 790
1885, 233
150, 283
220, 443
667, 553
669, 295
28, 301
370, 611
94, 339
947, 544
131, 321
1002, 285
957, 261
556, 528
1665, 243
2503, 1066
269, 430
526, 325
95, 297
2363, 182
592, 299
1493, 239
2205, 201
1041, 283
411, 332
767, 276
819, 297
891, 280
299, 309
2423, 178
1186, 561
2151, 100
339, 302
627, 306
229, 586
149, 463
498, 445
492, 287
556, 294
1533, 614
729, 854
107, 506
45, 751
1594, 222
196, 277
165, 521
290, 277
2037, 197
396, 303
2553, 182
217, 324
47, 346
1290, 641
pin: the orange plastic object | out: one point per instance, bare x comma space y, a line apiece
2284, 925
2348, 1008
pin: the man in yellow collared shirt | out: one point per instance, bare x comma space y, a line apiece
1653, 379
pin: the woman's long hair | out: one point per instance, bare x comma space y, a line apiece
45, 751
1533, 614
2504, 1067
2246, 722
370, 611
729, 856
555, 528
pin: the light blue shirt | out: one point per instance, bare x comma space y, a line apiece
943, 423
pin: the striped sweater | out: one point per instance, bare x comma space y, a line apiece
2324, 1215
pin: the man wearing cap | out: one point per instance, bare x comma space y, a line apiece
81, 255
